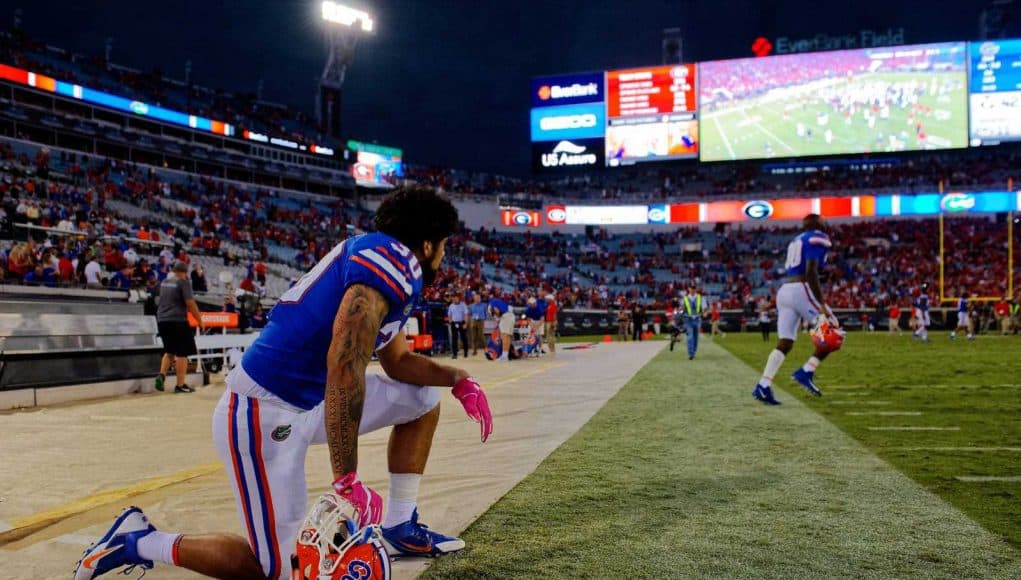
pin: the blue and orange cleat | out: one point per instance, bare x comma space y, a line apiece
414, 539
807, 380
117, 548
765, 394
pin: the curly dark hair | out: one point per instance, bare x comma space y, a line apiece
416, 214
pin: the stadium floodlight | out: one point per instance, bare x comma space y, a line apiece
341, 14
345, 27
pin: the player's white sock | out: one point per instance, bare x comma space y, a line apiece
402, 499
158, 547
773, 364
811, 365
925, 334
953, 334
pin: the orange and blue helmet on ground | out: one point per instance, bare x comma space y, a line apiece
826, 336
333, 546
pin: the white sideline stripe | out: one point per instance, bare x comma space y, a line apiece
885, 413
988, 478
979, 449
861, 403
389, 268
907, 428
874, 388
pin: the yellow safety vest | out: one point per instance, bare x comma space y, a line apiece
698, 305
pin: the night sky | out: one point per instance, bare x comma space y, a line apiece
449, 81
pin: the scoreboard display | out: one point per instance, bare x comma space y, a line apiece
938, 96
651, 115
995, 91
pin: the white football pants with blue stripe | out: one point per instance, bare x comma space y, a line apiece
262, 442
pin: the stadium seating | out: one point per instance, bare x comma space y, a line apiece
229, 227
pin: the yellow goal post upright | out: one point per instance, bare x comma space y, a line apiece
1010, 258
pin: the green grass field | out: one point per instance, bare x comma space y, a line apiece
683, 475
756, 127
975, 386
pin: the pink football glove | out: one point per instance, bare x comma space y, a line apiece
470, 394
367, 503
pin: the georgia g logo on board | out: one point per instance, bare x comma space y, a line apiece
757, 210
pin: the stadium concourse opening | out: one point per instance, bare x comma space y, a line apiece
859, 203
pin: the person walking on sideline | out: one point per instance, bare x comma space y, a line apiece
176, 301
478, 311
693, 304
457, 312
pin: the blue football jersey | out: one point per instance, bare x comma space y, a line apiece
807, 246
962, 304
922, 303
289, 357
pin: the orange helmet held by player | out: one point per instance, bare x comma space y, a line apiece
827, 336
331, 546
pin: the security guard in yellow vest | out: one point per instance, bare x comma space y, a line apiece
693, 304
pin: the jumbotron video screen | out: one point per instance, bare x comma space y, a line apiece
842, 102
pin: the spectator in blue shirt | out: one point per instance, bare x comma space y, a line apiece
121, 280
536, 315
477, 326
457, 313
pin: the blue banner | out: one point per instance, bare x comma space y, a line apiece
569, 122
568, 90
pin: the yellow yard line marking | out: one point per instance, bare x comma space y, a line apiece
25, 525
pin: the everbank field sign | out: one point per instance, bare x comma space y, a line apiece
868, 38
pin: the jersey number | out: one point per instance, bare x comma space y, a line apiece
794, 254
295, 293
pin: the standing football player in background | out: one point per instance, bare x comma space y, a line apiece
304, 382
962, 317
921, 314
800, 297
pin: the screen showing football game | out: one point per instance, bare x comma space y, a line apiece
651, 115
995, 91
903, 98
375, 165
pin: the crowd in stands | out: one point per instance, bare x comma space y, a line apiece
992, 169
99, 243
874, 264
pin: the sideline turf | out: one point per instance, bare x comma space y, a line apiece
683, 475
952, 383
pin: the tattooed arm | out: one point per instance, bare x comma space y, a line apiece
414, 369
355, 328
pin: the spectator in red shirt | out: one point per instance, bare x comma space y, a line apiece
894, 321
1002, 311
551, 323
714, 316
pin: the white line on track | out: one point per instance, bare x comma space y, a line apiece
861, 403
726, 142
958, 449
885, 413
989, 478
118, 418
874, 388
910, 428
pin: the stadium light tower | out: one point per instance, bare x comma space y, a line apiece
345, 26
